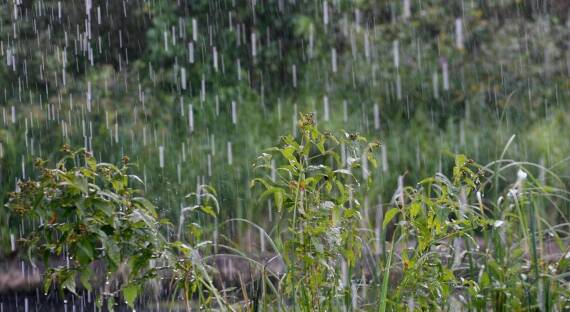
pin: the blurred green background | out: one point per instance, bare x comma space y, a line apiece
213, 83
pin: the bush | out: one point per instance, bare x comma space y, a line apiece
83, 212
318, 186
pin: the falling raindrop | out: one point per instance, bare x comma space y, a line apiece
294, 73
396, 53
190, 118
326, 113
161, 156
376, 116
183, 77
406, 9
333, 60
253, 45
445, 73
12, 242
194, 30
215, 58
459, 33
230, 153
234, 112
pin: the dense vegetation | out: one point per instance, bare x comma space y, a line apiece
193, 92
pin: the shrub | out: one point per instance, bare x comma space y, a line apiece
318, 187
85, 212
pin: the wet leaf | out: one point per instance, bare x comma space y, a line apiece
390, 214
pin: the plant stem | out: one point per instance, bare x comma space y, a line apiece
386, 278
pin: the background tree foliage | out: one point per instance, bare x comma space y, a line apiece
130, 84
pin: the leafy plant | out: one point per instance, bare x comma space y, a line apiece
434, 215
456, 245
318, 187
87, 213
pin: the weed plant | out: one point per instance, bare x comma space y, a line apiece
445, 244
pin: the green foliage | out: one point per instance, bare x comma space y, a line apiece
449, 246
509, 76
314, 184
440, 222
432, 215
90, 213
315, 181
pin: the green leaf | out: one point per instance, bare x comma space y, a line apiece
113, 253
77, 182
460, 160
264, 182
103, 206
415, 208
85, 252
268, 192
131, 292
136, 178
208, 210
84, 278
328, 186
69, 283
118, 185
111, 303
91, 163
139, 261
146, 204
372, 160
278, 196
342, 191
306, 149
343, 171
47, 282
289, 153
390, 214
321, 146
484, 280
